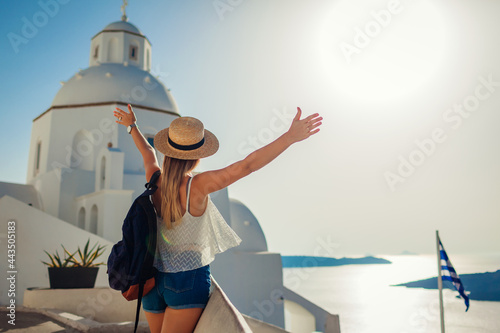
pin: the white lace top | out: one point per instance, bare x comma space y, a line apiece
194, 241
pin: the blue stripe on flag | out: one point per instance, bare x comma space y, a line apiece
448, 273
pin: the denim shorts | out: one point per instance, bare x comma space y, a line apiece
182, 290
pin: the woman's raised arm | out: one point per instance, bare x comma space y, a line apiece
300, 129
148, 153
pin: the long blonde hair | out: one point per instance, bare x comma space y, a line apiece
173, 172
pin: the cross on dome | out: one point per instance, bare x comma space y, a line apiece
124, 7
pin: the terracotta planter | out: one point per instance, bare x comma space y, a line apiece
72, 277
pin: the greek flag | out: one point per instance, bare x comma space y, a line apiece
448, 273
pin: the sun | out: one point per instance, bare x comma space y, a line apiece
381, 50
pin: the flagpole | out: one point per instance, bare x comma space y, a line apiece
440, 282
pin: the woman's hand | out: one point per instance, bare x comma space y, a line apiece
125, 118
148, 153
301, 129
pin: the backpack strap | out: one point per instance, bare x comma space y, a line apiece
188, 191
149, 257
151, 185
141, 291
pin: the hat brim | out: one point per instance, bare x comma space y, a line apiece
209, 147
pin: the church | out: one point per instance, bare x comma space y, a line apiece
84, 166
84, 172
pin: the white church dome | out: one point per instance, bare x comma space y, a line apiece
115, 83
120, 64
246, 225
122, 26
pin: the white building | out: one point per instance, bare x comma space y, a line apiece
84, 171
75, 143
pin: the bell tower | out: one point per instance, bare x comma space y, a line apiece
121, 43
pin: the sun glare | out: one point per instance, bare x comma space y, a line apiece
382, 50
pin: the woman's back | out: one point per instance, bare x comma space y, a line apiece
193, 241
197, 203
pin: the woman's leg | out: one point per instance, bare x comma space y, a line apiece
154, 305
180, 320
155, 321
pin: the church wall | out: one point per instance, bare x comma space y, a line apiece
113, 52
98, 128
114, 163
25, 193
40, 132
134, 182
58, 189
141, 44
111, 207
115, 209
74, 183
96, 42
37, 231
71, 139
109, 169
113, 47
49, 187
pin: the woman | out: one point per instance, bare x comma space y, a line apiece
187, 218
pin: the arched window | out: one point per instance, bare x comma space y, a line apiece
134, 52
113, 52
150, 139
148, 60
81, 218
93, 220
102, 181
96, 52
37, 157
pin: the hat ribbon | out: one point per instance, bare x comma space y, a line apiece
186, 147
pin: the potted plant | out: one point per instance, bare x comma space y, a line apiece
74, 270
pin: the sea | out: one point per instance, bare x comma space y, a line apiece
367, 302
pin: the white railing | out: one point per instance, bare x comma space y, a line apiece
323, 320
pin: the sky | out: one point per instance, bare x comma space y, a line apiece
409, 91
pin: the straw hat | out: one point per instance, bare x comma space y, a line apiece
186, 139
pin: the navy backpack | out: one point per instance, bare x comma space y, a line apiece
130, 264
